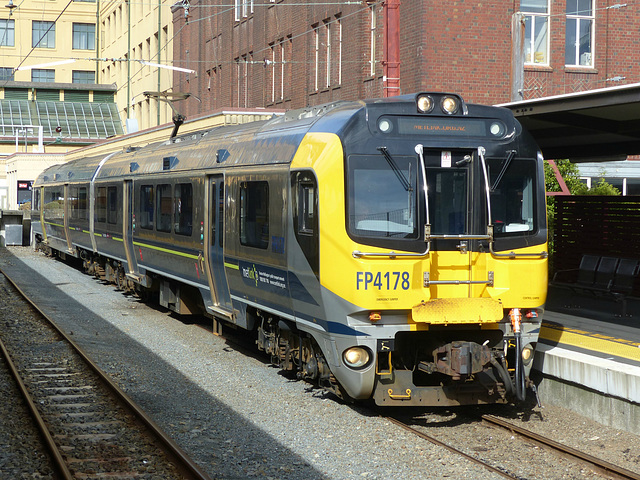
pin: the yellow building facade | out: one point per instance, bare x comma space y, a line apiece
132, 33
44, 33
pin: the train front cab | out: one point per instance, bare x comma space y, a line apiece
446, 289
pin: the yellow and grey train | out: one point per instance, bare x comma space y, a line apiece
391, 249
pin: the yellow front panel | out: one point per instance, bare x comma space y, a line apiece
384, 283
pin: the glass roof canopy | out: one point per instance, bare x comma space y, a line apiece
78, 120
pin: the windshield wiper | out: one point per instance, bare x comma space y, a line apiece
403, 180
507, 161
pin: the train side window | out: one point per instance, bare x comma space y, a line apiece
221, 216
101, 205
254, 214
36, 199
163, 206
83, 211
306, 208
183, 209
112, 205
146, 207
54, 203
73, 203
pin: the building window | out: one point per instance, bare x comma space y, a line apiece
242, 8
316, 47
243, 79
536, 35
327, 28
43, 34
84, 36
43, 75
579, 34
339, 25
81, 76
6, 73
373, 25
7, 33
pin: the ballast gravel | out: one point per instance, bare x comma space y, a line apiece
240, 418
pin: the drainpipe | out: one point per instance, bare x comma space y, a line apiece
391, 49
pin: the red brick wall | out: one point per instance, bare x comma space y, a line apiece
456, 46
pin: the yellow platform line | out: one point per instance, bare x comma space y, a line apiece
591, 341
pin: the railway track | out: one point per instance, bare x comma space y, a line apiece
90, 426
603, 467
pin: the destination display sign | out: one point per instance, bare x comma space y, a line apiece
442, 126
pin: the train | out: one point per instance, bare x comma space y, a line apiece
389, 250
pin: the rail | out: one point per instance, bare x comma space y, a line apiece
186, 467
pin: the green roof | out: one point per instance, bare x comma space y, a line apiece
78, 120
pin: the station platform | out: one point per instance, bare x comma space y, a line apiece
588, 356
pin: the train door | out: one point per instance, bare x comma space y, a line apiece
214, 246
450, 198
128, 224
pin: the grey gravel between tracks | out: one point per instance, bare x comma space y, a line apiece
234, 413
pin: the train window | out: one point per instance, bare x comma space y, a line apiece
83, 211
254, 214
78, 203
163, 208
36, 199
73, 202
221, 215
392, 214
101, 205
146, 207
513, 198
306, 208
183, 208
54, 203
112, 205
447, 201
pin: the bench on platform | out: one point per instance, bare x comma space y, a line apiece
601, 276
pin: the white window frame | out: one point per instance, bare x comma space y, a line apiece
282, 56
327, 29
316, 34
339, 21
580, 20
372, 40
8, 33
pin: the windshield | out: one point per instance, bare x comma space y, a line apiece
447, 190
382, 196
512, 197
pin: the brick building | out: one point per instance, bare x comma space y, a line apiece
288, 55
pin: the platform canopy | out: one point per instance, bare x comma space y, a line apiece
596, 125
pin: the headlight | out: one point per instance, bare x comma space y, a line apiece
497, 129
356, 357
425, 104
450, 105
385, 125
527, 354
